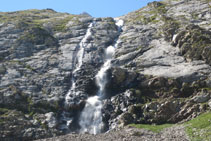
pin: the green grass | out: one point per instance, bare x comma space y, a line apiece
199, 128
153, 128
36, 18
61, 24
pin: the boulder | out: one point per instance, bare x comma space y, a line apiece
126, 119
201, 97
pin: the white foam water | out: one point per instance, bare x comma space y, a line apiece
90, 120
79, 59
79, 63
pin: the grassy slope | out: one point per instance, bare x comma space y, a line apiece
198, 129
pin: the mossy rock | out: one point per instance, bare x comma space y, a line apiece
158, 6
195, 43
45, 107
37, 36
170, 27
136, 109
61, 24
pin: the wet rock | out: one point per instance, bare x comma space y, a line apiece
119, 75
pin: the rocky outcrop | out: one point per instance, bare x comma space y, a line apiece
37, 57
160, 73
164, 57
194, 43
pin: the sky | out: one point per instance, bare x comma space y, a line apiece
96, 8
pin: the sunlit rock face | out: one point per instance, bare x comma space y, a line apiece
63, 73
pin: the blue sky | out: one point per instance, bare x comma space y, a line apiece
96, 8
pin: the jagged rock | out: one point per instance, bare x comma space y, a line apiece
160, 113
194, 43
119, 105
126, 119
120, 80
201, 97
119, 75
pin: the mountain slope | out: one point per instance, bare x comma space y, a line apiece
160, 72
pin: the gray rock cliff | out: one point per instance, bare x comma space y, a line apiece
161, 70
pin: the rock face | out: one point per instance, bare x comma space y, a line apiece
160, 73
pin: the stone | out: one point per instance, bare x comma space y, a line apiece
126, 119
201, 97
51, 120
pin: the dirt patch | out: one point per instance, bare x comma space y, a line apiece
175, 133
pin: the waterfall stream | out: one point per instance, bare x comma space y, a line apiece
90, 119
79, 59
79, 62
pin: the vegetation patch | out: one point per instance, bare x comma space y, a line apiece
146, 20
195, 43
27, 15
200, 128
169, 27
207, 88
37, 36
61, 24
150, 16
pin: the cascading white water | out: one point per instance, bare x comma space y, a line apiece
91, 119
79, 59
79, 62
91, 116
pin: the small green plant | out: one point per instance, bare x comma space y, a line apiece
162, 9
61, 24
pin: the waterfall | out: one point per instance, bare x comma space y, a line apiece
90, 120
79, 61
